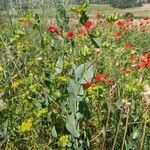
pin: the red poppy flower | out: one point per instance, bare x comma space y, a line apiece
147, 60
120, 24
141, 65
148, 57
117, 36
89, 25
144, 62
70, 35
87, 85
100, 78
148, 64
53, 30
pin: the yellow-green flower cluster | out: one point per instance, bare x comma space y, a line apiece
25, 126
41, 112
66, 64
62, 80
64, 140
17, 83
33, 87
92, 91
133, 87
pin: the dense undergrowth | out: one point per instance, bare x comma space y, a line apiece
82, 83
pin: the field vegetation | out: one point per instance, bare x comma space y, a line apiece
75, 77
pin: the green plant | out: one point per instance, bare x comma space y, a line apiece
82, 86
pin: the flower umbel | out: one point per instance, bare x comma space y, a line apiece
17, 83
41, 112
70, 35
63, 140
62, 80
25, 126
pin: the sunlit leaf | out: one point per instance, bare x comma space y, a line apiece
81, 9
54, 133
59, 65
71, 124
